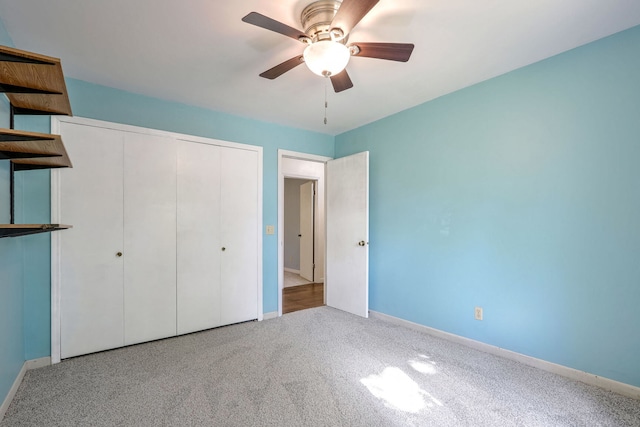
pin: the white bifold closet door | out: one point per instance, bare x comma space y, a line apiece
199, 245
91, 274
149, 238
165, 238
239, 234
118, 264
217, 236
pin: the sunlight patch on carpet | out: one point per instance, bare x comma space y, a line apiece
423, 365
399, 391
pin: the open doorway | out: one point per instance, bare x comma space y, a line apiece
302, 287
301, 231
299, 234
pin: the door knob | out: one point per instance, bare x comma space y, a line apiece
361, 243
224, 249
118, 254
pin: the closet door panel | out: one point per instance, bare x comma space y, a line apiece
150, 237
91, 273
239, 234
199, 249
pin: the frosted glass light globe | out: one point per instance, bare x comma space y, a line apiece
326, 58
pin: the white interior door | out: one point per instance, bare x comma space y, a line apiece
91, 272
150, 237
198, 266
347, 244
307, 191
239, 244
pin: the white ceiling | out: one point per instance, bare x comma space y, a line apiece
199, 52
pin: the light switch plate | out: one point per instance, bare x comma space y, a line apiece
271, 229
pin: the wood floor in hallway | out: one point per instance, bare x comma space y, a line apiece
302, 297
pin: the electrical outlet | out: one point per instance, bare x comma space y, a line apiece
271, 229
478, 313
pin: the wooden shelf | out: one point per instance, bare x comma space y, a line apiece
33, 83
41, 163
15, 144
15, 230
61, 161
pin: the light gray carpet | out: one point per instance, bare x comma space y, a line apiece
317, 367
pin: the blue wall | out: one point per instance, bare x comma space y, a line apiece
520, 195
11, 278
11, 285
32, 206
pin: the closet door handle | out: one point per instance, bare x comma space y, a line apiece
224, 249
118, 254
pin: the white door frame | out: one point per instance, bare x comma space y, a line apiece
281, 176
55, 211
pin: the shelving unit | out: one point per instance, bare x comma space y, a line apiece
34, 85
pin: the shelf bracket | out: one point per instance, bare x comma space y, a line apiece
12, 173
12, 184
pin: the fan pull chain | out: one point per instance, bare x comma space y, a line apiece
326, 104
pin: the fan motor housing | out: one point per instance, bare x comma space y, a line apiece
316, 20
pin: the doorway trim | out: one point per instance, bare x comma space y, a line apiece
282, 154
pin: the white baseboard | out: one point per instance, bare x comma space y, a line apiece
38, 363
574, 374
12, 391
28, 365
270, 315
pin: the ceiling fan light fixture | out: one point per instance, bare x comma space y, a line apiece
326, 58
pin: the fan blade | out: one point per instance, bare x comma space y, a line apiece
341, 81
271, 24
280, 69
350, 13
391, 51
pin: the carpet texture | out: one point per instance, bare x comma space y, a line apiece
317, 367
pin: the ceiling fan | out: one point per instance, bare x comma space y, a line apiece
327, 26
